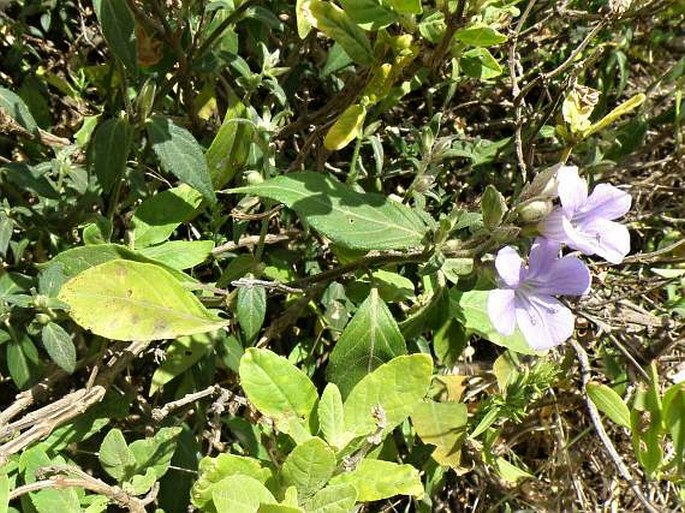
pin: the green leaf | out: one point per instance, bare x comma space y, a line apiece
240, 494
480, 35
115, 456
346, 128
407, 6
369, 14
510, 472
626, 107
48, 500
140, 483
375, 480
433, 26
6, 230
336, 24
231, 146
349, 218
609, 403
212, 470
111, 146
674, 418
276, 387
333, 499
118, 28
493, 207
181, 354
14, 106
279, 508
23, 362
442, 425
371, 339
302, 14
309, 466
180, 154
157, 217
135, 302
60, 347
180, 254
4, 492
471, 309
479, 63
331, 416
155, 453
395, 388
251, 310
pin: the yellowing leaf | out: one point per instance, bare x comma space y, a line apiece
442, 425
346, 128
126, 300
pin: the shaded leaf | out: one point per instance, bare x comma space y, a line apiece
60, 347
118, 28
110, 151
251, 310
14, 106
231, 146
181, 354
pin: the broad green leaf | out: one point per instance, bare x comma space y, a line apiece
279, 508
14, 106
609, 403
110, 151
135, 301
48, 500
23, 362
276, 387
155, 453
346, 128
60, 347
180, 254
369, 14
251, 310
157, 217
231, 146
392, 391
336, 24
375, 480
4, 492
674, 418
407, 6
442, 425
240, 494
115, 456
181, 354
349, 218
331, 416
471, 308
309, 467
370, 339
118, 28
212, 470
140, 483
479, 63
180, 154
493, 207
333, 499
480, 35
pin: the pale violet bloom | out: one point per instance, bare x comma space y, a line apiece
526, 297
586, 222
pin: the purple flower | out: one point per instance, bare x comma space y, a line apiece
526, 297
586, 223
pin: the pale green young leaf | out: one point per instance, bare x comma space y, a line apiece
331, 416
375, 480
624, 108
180, 154
60, 347
240, 494
140, 483
392, 392
304, 25
493, 206
136, 302
442, 425
609, 403
231, 146
118, 28
4, 492
346, 128
349, 218
180, 254
333, 499
279, 508
480, 35
116, 457
111, 146
510, 472
309, 467
479, 63
370, 339
251, 310
181, 354
336, 24
276, 387
470, 308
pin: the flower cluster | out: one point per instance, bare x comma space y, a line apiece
584, 223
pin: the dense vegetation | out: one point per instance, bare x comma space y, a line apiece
362, 255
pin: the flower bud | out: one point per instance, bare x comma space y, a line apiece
253, 177
534, 211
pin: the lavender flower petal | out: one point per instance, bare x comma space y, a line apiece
609, 239
544, 321
572, 190
502, 311
543, 253
509, 266
606, 201
567, 276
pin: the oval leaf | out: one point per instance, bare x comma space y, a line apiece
609, 403
346, 128
349, 218
309, 466
110, 151
240, 494
59, 346
118, 28
375, 480
135, 301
